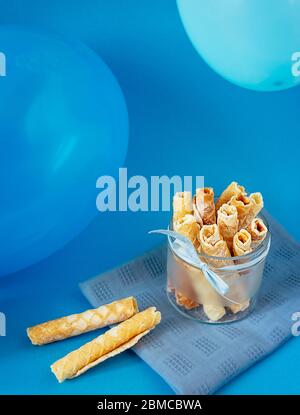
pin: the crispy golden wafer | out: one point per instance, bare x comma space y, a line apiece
89, 320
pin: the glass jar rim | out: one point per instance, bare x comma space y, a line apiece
255, 256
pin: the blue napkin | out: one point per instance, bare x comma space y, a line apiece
196, 358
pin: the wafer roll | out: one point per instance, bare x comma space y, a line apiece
205, 205
243, 205
188, 226
257, 204
236, 308
193, 289
184, 301
89, 320
196, 213
109, 344
258, 232
228, 223
212, 244
241, 246
233, 189
214, 312
242, 243
182, 205
202, 293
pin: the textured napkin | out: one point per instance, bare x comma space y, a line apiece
196, 358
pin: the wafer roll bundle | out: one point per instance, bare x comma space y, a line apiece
228, 229
112, 342
228, 223
205, 205
258, 232
182, 205
76, 324
233, 189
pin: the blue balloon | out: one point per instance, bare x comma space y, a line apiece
249, 42
63, 123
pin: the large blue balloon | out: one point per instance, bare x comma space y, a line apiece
249, 42
63, 122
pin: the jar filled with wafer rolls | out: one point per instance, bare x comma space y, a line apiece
231, 237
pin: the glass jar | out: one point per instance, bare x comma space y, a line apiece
193, 296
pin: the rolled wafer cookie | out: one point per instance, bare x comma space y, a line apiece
228, 223
211, 243
194, 289
241, 246
257, 204
89, 320
196, 213
205, 205
182, 205
234, 189
258, 232
244, 206
188, 226
184, 301
109, 344
242, 243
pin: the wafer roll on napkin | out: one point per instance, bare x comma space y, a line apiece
258, 232
89, 320
233, 189
205, 205
182, 205
242, 243
228, 223
109, 344
188, 226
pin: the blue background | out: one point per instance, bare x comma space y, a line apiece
184, 119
